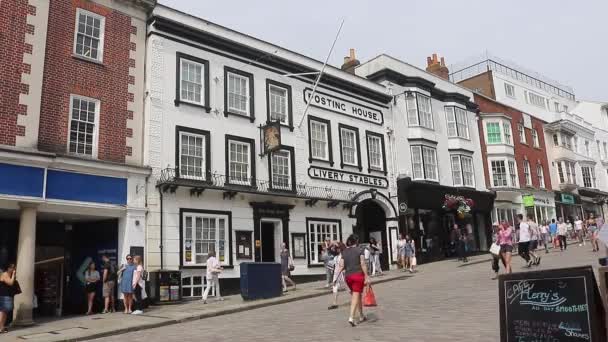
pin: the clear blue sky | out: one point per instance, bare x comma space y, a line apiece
564, 40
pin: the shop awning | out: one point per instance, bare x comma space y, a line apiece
593, 193
430, 195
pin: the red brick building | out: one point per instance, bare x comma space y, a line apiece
71, 139
515, 161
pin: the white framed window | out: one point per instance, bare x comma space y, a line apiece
535, 139
588, 150
239, 162
570, 172
191, 78
462, 170
541, 176
527, 173
556, 106
203, 232
560, 172
575, 144
238, 93
89, 34
565, 108
566, 141
424, 163
349, 146
536, 100
375, 151
499, 173
319, 139
458, 125
419, 111
513, 173
84, 125
588, 176
510, 90
193, 161
281, 176
278, 101
318, 231
493, 133
522, 134
507, 133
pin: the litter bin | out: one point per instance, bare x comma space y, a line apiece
165, 286
260, 280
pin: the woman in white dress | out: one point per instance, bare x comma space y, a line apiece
338, 281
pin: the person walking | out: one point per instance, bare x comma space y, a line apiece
213, 273
570, 229
545, 236
126, 283
593, 230
139, 285
463, 246
339, 282
355, 274
327, 261
553, 232
496, 257
525, 236
401, 252
535, 236
562, 230
286, 267
375, 257
505, 241
578, 231
8, 289
91, 277
109, 283
409, 253
454, 240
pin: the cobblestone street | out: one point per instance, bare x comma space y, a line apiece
445, 301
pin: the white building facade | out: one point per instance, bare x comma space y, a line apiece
437, 152
217, 99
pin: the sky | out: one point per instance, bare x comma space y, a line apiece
564, 40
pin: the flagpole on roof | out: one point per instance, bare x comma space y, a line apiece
314, 87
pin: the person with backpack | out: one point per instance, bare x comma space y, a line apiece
139, 285
109, 284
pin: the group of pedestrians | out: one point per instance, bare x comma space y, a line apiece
131, 278
406, 253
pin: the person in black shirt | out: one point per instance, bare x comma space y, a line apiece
109, 283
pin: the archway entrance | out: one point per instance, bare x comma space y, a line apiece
371, 222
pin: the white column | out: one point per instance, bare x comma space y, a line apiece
26, 256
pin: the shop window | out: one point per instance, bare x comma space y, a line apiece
202, 232
318, 231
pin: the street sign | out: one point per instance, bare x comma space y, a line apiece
402, 207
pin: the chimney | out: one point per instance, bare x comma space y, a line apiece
350, 62
437, 67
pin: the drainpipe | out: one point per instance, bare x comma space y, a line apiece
160, 246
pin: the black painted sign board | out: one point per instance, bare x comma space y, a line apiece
551, 305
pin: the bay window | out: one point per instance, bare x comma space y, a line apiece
424, 163
588, 176
493, 133
503, 172
458, 125
419, 111
462, 170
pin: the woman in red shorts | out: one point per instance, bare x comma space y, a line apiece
355, 275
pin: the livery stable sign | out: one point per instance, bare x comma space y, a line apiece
342, 106
347, 177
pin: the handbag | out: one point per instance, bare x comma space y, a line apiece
495, 249
370, 298
414, 261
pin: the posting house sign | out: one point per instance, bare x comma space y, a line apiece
347, 177
342, 106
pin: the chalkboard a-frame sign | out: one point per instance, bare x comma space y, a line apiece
551, 305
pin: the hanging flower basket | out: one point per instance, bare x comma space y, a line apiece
459, 204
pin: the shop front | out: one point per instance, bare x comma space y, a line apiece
539, 205
507, 206
568, 206
429, 224
594, 201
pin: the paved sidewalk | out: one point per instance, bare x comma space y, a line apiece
96, 326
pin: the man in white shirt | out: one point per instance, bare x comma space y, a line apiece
534, 237
524, 240
562, 231
213, 271
578, 230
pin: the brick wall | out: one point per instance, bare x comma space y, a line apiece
482, 83
13, 27
107, 82
522, 151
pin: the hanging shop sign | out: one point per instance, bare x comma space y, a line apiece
347, 177
528, 200
271, 137
567, 199
342, 106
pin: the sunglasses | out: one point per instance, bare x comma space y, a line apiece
129, 258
